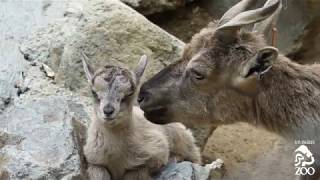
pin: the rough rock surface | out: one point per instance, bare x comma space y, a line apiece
188, 171
43, 132
148, 7
14, 27
108, 32
41, 141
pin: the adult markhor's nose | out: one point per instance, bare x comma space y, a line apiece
143, 98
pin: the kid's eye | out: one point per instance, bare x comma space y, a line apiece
95, 95
130, 93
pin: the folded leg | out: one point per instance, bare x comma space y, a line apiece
138, 174
98, 173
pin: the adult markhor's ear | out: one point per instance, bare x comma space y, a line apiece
260, 63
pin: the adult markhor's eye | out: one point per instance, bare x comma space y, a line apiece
197, 75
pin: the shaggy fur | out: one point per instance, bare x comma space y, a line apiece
285, 100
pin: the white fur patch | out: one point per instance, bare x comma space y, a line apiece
138, 111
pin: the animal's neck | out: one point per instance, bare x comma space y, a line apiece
289, 98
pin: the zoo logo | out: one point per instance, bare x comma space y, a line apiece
303, 161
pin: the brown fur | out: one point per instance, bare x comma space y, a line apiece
287, 97
285, 100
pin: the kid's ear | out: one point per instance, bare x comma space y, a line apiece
261, 63
87, 68
139, 70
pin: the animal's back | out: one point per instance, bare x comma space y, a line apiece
179, 139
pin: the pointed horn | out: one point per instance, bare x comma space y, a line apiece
265, 26
250, 17
235, 10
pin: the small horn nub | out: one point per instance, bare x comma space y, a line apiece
87, 68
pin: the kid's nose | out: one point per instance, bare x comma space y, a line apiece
108, 110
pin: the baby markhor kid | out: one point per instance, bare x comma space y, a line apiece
122, 144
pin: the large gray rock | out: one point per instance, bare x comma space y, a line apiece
39, 141
189, 171
184, 171
306, 48
42, 135
13, 28
108, 32
40, 131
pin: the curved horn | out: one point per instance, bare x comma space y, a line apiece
235, 10
266, 25
250, 17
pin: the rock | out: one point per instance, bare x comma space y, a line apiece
14, 27
39, 140
180, 171
109, 32
148, 7
48, 71
306, 48
4, 103
298, 27
189, 171
42, 134
183, 22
